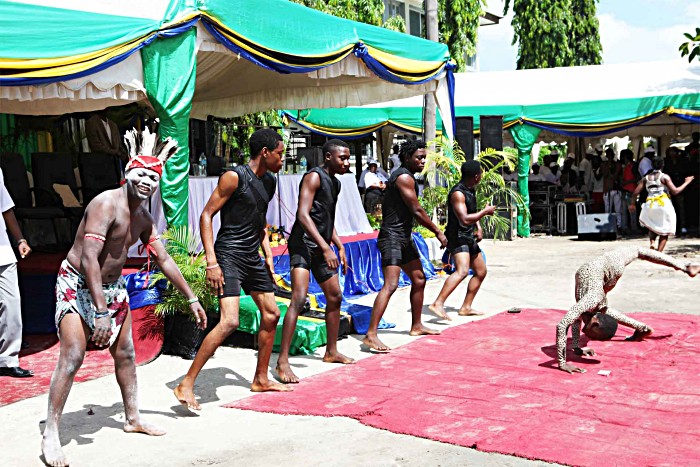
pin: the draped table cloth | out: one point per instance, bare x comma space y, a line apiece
350, 216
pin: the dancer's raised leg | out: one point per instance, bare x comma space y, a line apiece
228, 323
453, 280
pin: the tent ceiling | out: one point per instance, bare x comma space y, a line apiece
228, 86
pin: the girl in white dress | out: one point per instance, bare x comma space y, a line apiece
658, 214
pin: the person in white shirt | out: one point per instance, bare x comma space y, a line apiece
544, 167
10, 309
585, 170
535, 175
645, 163
375, 182
553, 175
394, 160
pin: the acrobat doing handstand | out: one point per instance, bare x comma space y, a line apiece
593, 282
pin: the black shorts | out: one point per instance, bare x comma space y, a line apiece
310, 259
243, 270
397, 252
464, 246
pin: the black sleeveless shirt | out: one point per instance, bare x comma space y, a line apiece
397, 218
322, 211
244, 215
455, 231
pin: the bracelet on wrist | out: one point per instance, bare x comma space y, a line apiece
102, 314
213, 266
192, 300
22, 240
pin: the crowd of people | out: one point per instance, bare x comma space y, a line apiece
620, 186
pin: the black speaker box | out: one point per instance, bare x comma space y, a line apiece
464, 134
491, 129
597, 226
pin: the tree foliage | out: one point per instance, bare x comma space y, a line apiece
458, 21
692, 47
363, 11
555, 33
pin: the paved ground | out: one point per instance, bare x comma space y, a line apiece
534, 272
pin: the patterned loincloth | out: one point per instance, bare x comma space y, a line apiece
73, 296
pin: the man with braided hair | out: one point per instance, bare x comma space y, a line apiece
593, 282
92, 305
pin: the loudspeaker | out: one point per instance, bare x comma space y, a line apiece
491, 128
464, 134
597, 226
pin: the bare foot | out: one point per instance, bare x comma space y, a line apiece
143, 427
421, 330
439, 311
639, 336
469, 312
693, 269
267, 385
186, 397
338, 357
285, 373
52, 451
375, 344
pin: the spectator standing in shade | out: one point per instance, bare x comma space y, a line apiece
612, 178
103, 136
630, 178
678, 167
394, 160
585, 169
597, 185
10, 310
645, 162
375, 183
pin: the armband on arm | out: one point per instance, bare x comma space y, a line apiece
99, 238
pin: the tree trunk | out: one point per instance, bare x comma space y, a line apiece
429, 105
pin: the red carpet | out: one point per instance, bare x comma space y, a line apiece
42, 354
493, 385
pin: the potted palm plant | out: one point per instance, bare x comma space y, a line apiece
443, 167
182, 337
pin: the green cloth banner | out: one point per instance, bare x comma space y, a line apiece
169, 69
524, 137
309, 333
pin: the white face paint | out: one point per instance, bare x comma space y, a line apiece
141, 183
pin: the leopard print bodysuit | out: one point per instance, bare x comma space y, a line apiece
593, 282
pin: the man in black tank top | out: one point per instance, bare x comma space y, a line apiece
242, 196
310, 249
463, 234
399, 208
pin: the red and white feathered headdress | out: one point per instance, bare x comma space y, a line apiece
145, 153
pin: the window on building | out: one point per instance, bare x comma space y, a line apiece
394, 8
415, 20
